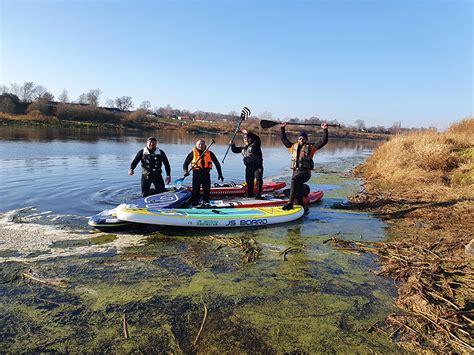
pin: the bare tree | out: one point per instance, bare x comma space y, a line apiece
4, 89
82, 99
27, 91
40, 93
124, 103
92, 97
63, 97
110, 103
15, 89
145, 105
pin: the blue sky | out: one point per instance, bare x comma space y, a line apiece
379, 61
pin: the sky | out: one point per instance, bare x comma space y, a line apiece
377, 61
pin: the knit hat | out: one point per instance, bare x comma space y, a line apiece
303, 134
151, 139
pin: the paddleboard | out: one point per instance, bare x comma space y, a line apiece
210, 218
240, 189
269, 201
107, 220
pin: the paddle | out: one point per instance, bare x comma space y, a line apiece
269, 124
178, 182
243, 116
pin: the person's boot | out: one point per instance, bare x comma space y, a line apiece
287, 207
259, 197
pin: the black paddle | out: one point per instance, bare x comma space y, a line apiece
243, 116
180, 181
269, 124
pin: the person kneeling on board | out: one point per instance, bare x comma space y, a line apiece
201, 163
253, 161
302, 163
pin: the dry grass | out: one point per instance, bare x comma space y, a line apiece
422, 184
428, 164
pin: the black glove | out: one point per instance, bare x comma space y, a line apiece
221, 178
186, 174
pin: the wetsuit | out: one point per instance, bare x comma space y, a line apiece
301, 173
201, 174
253, 161
152, 161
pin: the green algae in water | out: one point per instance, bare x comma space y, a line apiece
312, 299
74, 243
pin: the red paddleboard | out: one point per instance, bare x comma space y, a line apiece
240, 190
269, 201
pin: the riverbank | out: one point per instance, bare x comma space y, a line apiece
147, 124
422, 185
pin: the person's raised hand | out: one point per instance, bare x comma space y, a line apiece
283, 124
324, 125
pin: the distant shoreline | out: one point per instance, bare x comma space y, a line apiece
191, 127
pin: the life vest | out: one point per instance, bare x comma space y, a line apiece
305, 159
204, 163
250, 156
151, 162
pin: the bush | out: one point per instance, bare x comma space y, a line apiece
86, 113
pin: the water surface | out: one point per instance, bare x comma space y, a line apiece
298, 294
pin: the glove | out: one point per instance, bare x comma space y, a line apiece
168, 180
186, 174
221, 178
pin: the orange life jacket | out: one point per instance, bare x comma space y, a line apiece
204, 163
305, 161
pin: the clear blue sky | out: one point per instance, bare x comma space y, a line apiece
379, 61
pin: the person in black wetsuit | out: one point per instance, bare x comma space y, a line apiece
152, 159
201, 165
302, 163
253, 161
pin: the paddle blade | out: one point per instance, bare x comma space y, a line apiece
179, 183
267, 123
245, 113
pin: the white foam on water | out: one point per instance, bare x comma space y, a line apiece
28, 235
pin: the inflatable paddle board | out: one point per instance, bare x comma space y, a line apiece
210, 218
268, 201
107, 220
240, 189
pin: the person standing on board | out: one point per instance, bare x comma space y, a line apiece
201, 163
253, 161
152, 159
302, 163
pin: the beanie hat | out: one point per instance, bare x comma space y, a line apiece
151, 139
303, 134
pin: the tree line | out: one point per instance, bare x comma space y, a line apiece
27, 97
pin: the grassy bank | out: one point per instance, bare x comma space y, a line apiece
422, 184
139, 121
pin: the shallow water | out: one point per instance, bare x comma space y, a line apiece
64, 287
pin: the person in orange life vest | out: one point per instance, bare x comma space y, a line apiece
151, 158
253, 161
302, 153
201, 165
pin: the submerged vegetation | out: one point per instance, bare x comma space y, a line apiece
423, 185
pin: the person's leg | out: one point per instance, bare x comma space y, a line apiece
159, 184
297, 181
146, 183
302, 178
249, 176
259, 178
196, 194
206, 185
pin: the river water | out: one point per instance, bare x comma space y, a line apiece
65, 287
